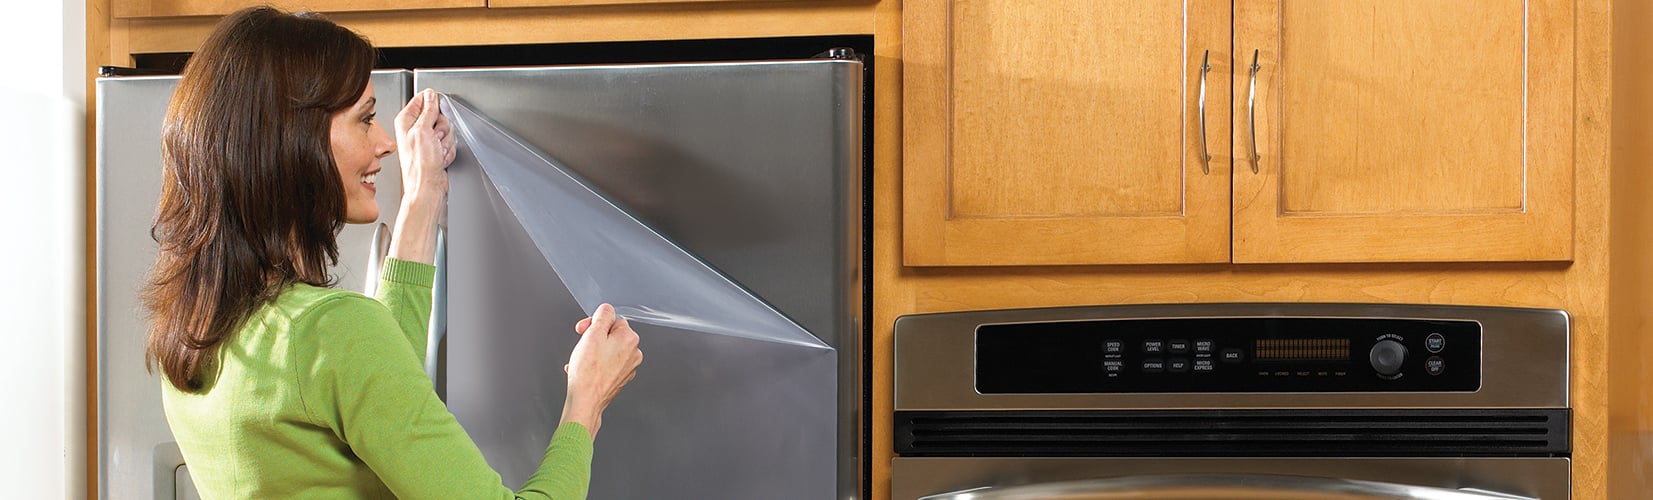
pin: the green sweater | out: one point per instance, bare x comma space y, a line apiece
323, 394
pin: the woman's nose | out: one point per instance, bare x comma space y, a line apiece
385, 144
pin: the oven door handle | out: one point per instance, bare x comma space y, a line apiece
1187, 486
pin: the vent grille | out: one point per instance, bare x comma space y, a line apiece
1221, 433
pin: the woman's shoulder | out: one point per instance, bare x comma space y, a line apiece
307, 305
305, 320
304, 298
319, 317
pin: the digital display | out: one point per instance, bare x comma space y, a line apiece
1301, 350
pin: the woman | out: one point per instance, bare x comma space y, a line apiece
277, 386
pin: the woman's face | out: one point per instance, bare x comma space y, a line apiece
358, 144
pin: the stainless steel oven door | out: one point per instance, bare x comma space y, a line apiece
982, 478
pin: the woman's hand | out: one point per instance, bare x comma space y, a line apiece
425, 139
604, 360
426, 143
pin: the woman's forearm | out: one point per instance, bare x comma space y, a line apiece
413, 239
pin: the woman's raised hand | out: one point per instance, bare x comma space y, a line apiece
604, 360
426, 143
425, 139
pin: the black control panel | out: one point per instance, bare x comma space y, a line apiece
1264, 354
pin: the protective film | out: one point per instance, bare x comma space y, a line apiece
602, 253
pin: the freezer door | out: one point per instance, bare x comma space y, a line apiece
754, 168
136, 456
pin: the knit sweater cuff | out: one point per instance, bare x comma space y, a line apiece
408, 273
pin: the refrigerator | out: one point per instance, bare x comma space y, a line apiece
753, 167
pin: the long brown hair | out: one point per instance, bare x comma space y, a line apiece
251, 200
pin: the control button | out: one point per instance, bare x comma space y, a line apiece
1387, 357
1204, 365
1113, 346
1153, 346
1177, 365
1153, 365
1204, 346
1113, 367
1435, 342
1233, 356
1434, 365
1179, 346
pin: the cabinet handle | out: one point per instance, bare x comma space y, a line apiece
1205, 151
1251, 105
375, 259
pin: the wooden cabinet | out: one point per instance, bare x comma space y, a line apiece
555, 3
180, 8
176, 8
1063, 132
1068, 132
1417, 130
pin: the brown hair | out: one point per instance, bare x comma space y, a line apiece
251, 201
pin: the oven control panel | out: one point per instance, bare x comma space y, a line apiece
1229, 354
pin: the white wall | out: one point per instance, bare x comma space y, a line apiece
42, 145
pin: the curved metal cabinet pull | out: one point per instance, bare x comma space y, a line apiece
1251, 105
1205, 151
1190, 486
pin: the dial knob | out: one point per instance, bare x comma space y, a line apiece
1387, 357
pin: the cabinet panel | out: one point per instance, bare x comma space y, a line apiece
1364, 89
1063, 132
174, 8
1018, 91
1404, 130
555, 3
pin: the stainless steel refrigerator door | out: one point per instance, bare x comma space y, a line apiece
136, 456
753, 167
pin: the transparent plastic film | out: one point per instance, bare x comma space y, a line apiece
602, 253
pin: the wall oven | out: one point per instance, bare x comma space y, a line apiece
1233, 401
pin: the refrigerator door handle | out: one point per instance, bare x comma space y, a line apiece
438, 312
375, 258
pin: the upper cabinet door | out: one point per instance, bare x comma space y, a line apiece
557, 3
1065, 132
174, 8
1403, 130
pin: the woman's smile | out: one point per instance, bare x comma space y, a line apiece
358, 144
